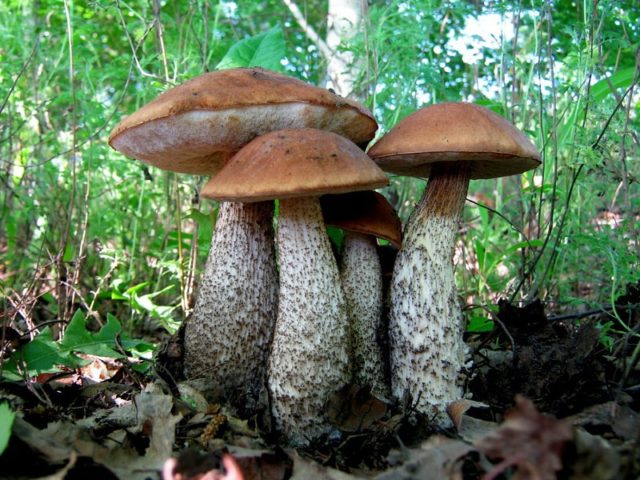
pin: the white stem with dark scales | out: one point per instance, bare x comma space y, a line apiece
426, 323
309, 358
228, 336
361, 275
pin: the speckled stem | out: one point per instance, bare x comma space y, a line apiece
361, 276
228, 336
309, 356
426, 323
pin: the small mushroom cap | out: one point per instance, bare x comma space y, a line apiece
450, 132
195, 127
365, 212
294, 163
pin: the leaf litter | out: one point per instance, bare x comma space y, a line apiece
545, 400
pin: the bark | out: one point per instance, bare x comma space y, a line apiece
344, 21
309, 356
361, 275
228, 336
426, 323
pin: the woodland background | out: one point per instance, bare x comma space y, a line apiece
84, 229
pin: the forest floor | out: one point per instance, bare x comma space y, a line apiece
546, 400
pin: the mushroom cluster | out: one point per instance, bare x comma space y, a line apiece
309, 357
195, 128
364, 216
275, 305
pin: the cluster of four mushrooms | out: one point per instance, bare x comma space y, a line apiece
264, 136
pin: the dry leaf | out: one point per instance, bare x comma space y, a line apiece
308, 470
353, 409
436, 458
531, 442
622, 420
469, 428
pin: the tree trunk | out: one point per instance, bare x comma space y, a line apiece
344, 21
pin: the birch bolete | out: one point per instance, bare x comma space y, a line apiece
364, 216
194, 128
450, 143
309, 355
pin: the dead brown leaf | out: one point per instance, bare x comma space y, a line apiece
531, 442
439, 457
354, 408
469, 427
622, 420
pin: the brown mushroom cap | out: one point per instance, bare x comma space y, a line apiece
365, 212
294, 163
196, 126
450, 132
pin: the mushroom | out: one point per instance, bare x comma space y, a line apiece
309, 355
450, 143
194, 128
364, 216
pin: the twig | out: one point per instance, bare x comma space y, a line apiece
134, 49
511, 224
324, 49
20, 73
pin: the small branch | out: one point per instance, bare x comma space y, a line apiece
20, 73
159, 34
604, 309
324, 49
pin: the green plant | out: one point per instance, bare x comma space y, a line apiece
6, 422
45, 355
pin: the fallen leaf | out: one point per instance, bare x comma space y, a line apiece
304, 469
469, 427
437, 458
354, 408
595, 458
531, 442
622, 420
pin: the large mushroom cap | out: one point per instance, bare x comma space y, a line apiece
366, 212
294, 163
450, 132
196, 126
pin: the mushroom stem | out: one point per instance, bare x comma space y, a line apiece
227, 338
426, 323
361, 275
309, 354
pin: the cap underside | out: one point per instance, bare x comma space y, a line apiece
451, 132
363, 212
191, 128
482, 165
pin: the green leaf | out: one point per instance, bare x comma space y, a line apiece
109, 330
135, 289
264, 50
68, 253
480, 253
78, 339
42, 355
479, 324
533, 243
336, 237
621, 79
6, 422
